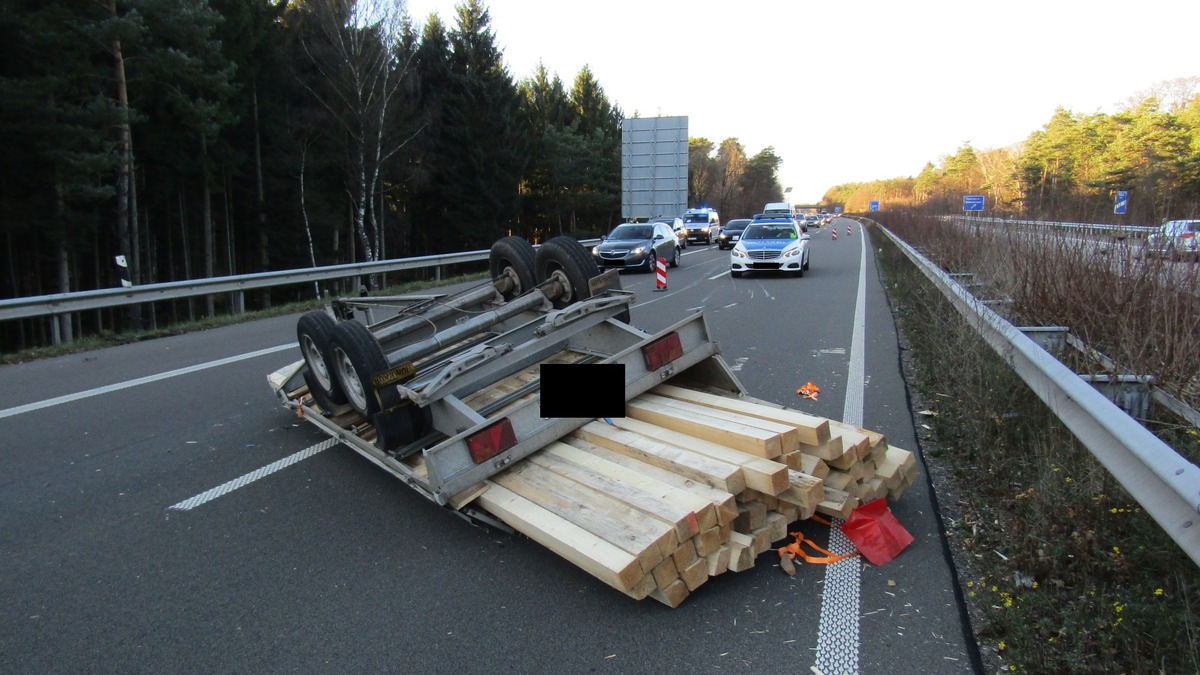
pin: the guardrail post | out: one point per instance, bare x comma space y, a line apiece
1051, 338
1127, 392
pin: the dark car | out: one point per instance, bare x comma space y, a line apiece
637, 246
731, 232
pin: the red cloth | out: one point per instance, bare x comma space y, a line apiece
876, 532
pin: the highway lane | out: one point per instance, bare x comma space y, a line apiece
330, 564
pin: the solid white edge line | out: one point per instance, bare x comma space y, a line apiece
226, 488
50, 402
838, 637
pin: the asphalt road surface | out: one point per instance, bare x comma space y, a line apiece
306, 558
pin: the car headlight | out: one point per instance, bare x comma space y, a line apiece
792, 252
639, 250
739, 253
596, 250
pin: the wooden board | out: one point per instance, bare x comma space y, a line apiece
608, 563
723, 502
620, 525
811, 429
705, 512
789, 434
678, 459
744, 437
760, 474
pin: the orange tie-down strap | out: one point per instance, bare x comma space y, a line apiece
794, 550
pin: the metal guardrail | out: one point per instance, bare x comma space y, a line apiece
1166, 484
67, 303
1140, 230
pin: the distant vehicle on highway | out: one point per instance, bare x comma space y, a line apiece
777, 209
770, 245
1175, 239
812, 220
702, 224
731, 232
637, 246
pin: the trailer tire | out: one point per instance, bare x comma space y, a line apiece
567, 259
313, 332
517, 254
355, 356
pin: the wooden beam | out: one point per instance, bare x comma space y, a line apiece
789, 434
704, 510
724, 502
675, 458
811, 429
747, 438
766, 476
624, 527
682, 519
608, 563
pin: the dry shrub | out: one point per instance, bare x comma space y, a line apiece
1066, 571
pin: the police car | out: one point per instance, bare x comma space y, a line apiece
770, 244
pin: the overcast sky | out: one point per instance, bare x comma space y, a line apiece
852, 90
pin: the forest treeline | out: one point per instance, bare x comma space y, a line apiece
164, 140
198, 138
1071, 169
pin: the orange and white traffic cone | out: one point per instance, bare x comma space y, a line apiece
848, 232
834, 231
660, 277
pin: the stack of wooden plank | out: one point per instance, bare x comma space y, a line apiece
690, 485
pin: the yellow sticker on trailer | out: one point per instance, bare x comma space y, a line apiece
395, 375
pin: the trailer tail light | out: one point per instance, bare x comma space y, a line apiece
491, 441
662, 351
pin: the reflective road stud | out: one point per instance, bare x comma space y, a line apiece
660, 278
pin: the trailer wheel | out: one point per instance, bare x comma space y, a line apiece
516, 254
313, 331
356, 356
566, 259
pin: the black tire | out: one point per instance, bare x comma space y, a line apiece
517, 254
313, 332
565, 258
356, 356
318, 394
675, 258
805, 265
735, 275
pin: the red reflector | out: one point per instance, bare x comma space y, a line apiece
662, 351
491, 441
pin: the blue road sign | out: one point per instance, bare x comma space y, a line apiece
972, 202
1121, 202
874, 205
